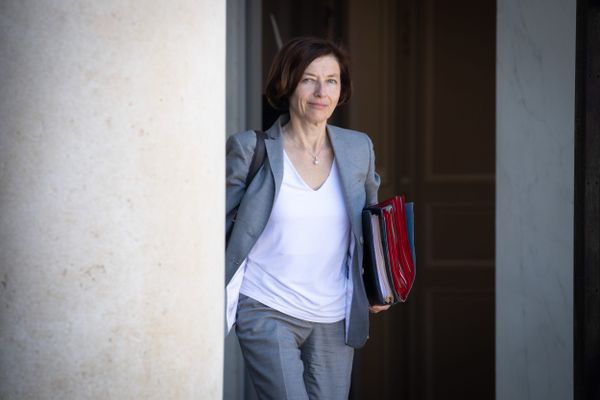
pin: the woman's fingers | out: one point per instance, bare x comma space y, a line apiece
376, 309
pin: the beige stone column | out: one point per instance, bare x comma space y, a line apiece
111, 199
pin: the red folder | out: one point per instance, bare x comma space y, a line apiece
389, 260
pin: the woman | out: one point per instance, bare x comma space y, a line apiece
294, 253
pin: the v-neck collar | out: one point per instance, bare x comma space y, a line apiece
299, 176
346, 166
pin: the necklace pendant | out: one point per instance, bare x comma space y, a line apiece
316, 161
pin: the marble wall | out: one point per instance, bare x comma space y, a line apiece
111, 199
534, 199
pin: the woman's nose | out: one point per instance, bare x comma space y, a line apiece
319, 89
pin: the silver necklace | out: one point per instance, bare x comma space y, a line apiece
315, 156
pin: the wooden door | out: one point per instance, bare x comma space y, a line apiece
425, 92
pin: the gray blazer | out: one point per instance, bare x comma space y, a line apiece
355, 160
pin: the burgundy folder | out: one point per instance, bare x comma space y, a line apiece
389, 259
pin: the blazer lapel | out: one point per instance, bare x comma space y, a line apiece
346, 169
274, 147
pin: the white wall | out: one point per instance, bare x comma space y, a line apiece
534, 199
111, 199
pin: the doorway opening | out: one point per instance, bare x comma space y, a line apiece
424, 91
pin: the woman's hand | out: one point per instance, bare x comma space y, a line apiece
376, 309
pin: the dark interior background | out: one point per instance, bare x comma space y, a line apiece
424, 90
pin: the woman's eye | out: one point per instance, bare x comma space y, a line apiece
332, 81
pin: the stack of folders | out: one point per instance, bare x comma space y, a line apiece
389, 260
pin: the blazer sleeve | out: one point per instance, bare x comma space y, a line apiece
373, 180
239, 152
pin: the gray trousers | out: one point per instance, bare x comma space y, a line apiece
289, 358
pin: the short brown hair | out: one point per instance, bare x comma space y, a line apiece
292, 60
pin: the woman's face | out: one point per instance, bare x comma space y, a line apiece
318, 91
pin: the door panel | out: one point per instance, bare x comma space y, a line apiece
424, 91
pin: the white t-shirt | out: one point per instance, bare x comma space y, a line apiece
298, 264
